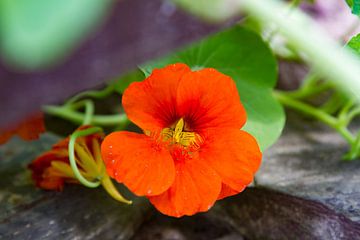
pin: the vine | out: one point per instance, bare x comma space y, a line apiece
337, 112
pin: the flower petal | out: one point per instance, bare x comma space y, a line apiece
209, 99
195, 189
41, 166
5, 135
32, 127
234, 155
136, 160
29, 129
227, 191
151, 104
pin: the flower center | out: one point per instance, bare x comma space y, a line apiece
178, 135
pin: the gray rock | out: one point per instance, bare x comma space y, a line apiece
198, 227
75, 213
303, 189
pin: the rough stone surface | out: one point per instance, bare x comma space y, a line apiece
75, 213
199, 227
302, 191
306, 162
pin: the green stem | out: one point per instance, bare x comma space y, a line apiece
326, 56
354, 151
92, 93
316, 113
333, 104
305, 92
72, 159
310, 80
342, 116
353, 113
89, 112
78, 118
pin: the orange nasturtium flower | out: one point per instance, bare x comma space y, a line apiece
52, 169
29, 129
192, 152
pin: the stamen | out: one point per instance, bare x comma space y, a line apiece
72, 158
178, 130
179, 136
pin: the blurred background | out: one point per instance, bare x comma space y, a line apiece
50, 50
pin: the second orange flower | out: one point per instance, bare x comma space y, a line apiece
192, 152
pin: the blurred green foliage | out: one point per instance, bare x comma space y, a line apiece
210, 10
37, 33
355, 6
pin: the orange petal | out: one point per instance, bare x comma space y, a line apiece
30, 129
234, 155
150, 104
195, 189
136, 160
52, 183
5, 135
227, 191
209, 99
40, 166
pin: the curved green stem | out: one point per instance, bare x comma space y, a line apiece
92, 93
310, 80
316, 113
354, 151
78, 118
334, 104
302, 33
343, 114
89, 112
309, 91
72, 159
353, 113
310, 86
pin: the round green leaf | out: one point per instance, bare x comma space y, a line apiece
243, 55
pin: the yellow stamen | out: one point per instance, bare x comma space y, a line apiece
179, 127
178, 135
62, 169
97, 156
86, 160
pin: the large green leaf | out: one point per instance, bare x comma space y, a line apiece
124, 81
35, 33
244, 56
